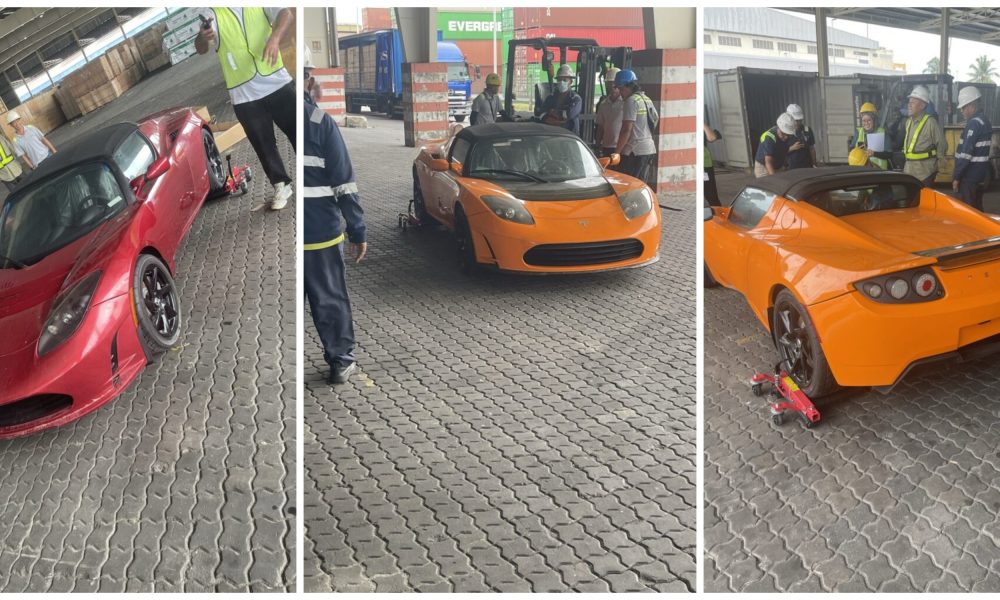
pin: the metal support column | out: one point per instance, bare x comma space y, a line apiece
79, 45
332, 43
27, 86
822, 45
669, 28
119, 23
41, 61
945, 32
418, 32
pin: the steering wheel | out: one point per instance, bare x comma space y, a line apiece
557, 167
91, 209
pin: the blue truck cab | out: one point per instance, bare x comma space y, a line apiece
373, 74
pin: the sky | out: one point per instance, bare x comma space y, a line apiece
915, 48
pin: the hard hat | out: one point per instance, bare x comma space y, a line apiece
786, 123
796, 111
867, 107
920, 92
968, 94
609, 76
307, 62
565, 71
12, 116
492, 79
625, 76
858, 157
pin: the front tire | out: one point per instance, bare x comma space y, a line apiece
157, 306
419, 208
709, 281
466, 248
795, 338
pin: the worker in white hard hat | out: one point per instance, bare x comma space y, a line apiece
486, 106
30, 144
609, 114
924, 144
972, 157
805, 157
562, 108
775, 144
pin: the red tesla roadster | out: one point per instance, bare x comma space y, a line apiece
87, 245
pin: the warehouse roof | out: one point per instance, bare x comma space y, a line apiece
772, 23
976, 24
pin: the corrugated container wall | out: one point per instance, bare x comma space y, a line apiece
713, 115
604, 36
480, 53
373, 19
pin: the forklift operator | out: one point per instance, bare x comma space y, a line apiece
563, 107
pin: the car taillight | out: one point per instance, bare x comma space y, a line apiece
915, 285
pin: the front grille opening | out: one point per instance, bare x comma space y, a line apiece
32, 409
590, 253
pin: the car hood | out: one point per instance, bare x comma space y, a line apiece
27, 295
587, 188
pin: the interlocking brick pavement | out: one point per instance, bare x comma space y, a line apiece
888, 493
186, 481
504, 433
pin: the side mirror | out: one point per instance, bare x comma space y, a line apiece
456, 167
439, 164
609, 161
709, 213
159, 167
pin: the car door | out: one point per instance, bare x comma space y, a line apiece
445, 184
168, 197
729, 244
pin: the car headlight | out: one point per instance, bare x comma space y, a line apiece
636, 203
509, 209
915, 285
66, 317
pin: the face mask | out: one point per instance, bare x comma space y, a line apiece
563, 86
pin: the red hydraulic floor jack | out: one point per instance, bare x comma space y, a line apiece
238, 177
785, 397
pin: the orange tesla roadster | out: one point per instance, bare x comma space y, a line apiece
858, 274
533, 198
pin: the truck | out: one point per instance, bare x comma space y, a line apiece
373, 64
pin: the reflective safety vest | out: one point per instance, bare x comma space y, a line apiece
860, 138
708, 157
4, 157
241, 48
769, 134
911, 142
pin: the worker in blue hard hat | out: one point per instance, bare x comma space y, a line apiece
635, 140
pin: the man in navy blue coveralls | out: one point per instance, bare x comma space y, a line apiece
332, 212
972, 157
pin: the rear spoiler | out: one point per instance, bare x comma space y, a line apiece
962, 255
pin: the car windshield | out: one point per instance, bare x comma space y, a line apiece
535, 157
846, 201
41, 219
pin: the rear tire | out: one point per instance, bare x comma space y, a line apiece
157, 306
214, 164
795, 338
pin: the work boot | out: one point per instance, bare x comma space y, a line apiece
339, 372
282, 192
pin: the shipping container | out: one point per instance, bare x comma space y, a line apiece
373, 19
530, 17
633, 37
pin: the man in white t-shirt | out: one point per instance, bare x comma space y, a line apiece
609, 115
247, 41
30, 144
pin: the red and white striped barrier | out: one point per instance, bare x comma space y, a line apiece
331, 82
669, 79
425, 102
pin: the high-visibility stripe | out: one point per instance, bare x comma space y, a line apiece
910, 154
321, 191
322, 245
984, 143
316, 116
979, 159
314, 161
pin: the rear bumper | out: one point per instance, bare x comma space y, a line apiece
91, 368
872, 344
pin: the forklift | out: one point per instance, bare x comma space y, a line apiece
592, 60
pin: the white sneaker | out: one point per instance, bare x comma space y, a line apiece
282, 192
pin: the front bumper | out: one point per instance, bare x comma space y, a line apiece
504, 245
872, 344
91, 368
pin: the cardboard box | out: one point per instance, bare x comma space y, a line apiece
182, 52
175, 37
228, 134
179, 18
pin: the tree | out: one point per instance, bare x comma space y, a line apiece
933, 66
982, 70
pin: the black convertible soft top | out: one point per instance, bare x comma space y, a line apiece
492, 131
797, 184
94, 146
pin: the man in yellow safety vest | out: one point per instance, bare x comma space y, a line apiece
10, 167
247, 41
924, 144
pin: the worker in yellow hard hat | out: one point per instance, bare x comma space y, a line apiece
486, 106
869, 118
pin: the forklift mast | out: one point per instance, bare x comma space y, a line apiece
591, 62
893, 116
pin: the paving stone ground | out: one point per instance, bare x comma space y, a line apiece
186, 481
888, 493
504, 433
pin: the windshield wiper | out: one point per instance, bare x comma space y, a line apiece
527, 176
17, 264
